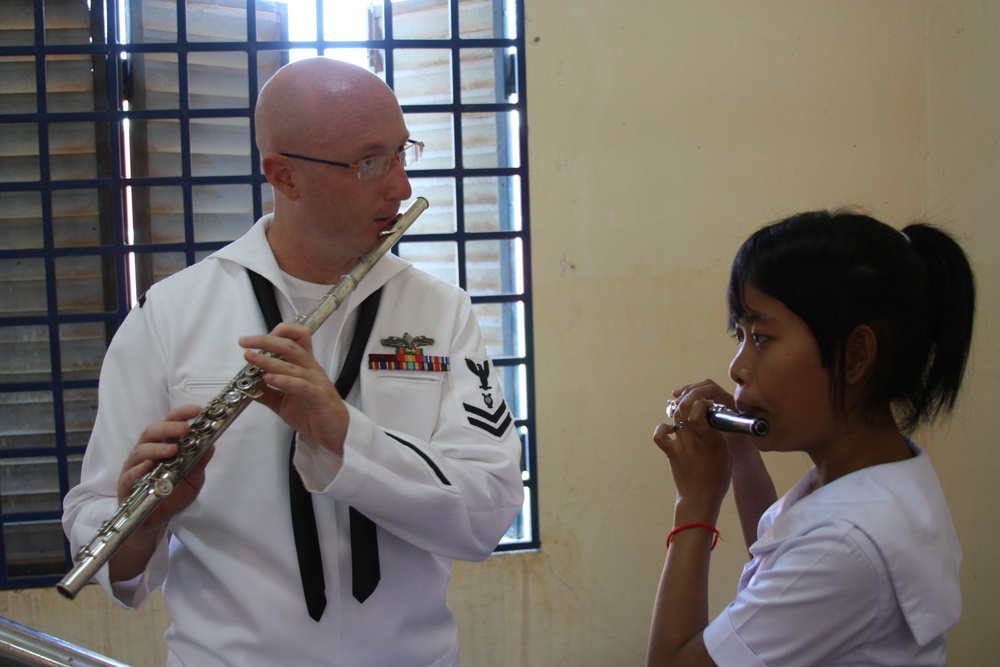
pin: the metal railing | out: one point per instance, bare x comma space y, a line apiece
21, 646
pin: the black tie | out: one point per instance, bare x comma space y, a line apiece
364, 540
306, 541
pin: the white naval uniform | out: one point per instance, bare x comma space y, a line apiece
862, 571
439, 480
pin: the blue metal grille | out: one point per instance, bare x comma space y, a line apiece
68, 270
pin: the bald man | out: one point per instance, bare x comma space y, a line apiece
426, 457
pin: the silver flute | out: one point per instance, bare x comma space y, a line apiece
214, 419
722, 418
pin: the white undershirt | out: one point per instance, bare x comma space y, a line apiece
305, 297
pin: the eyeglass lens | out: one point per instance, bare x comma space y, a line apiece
377, 166
411, 153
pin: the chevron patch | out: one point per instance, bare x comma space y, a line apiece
495, 423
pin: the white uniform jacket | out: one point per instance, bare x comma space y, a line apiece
432, 457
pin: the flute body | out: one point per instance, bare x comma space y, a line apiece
213, 420
726, 420
723, 419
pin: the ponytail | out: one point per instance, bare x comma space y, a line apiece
950, 307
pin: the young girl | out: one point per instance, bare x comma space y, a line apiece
850, 334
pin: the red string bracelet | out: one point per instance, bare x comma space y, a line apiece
709, 526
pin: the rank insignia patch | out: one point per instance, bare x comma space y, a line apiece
489, 412
495, 423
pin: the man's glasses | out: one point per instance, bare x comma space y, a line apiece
376, 165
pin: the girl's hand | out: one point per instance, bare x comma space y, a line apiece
700, 460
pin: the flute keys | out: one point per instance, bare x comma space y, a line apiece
201, 425
188, 444
171, 466
163, 487
215, 410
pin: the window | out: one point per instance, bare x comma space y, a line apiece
126, 154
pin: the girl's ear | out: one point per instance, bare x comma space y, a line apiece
862, 350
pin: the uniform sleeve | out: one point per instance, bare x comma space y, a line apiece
817, 597
130, 397
434, 458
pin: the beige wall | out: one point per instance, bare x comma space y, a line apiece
963, 174
661, 133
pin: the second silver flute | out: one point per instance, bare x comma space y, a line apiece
215, 418
722, 418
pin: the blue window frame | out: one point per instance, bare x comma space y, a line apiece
126, 153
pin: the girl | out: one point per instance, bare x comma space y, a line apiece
851, 334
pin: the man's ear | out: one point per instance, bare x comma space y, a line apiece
862, 350
277, 170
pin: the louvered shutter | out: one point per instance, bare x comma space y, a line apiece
195, 153
56, 278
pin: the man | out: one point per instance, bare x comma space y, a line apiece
406, 449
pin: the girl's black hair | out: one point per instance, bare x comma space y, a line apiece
839, 270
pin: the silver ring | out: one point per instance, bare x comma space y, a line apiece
678, 426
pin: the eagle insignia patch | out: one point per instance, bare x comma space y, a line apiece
489, 413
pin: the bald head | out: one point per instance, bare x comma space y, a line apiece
319, 102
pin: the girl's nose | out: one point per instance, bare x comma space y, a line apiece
738, 371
